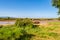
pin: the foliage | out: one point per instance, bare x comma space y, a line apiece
7, 18
56, 3
10, 33
23, 22
28, 32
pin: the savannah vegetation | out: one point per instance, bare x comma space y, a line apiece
23, 29
7, 18
14, 19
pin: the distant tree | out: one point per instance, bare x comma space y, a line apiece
8, 19
56, 3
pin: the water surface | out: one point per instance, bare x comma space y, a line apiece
6, 22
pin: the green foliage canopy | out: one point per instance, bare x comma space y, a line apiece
56, 3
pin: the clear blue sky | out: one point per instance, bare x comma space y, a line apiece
27, 8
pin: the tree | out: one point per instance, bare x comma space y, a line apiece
56, 3
8, 19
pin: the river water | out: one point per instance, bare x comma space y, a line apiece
13, 22
6, 22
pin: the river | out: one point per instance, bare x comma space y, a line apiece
12, 22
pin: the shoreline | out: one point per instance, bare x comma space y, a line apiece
11, 22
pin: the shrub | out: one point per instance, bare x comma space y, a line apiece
10, 33
23, 22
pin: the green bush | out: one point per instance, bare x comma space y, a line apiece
10, 33
23, 22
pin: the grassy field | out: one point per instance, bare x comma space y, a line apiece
30, 32
52, 32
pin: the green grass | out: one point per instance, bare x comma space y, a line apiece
54, 23
30, 32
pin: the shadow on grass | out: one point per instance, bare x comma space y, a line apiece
25, 36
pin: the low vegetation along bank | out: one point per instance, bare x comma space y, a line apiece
25, 30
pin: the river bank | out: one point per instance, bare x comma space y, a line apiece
11, 22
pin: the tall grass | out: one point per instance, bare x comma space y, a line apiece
26, 31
